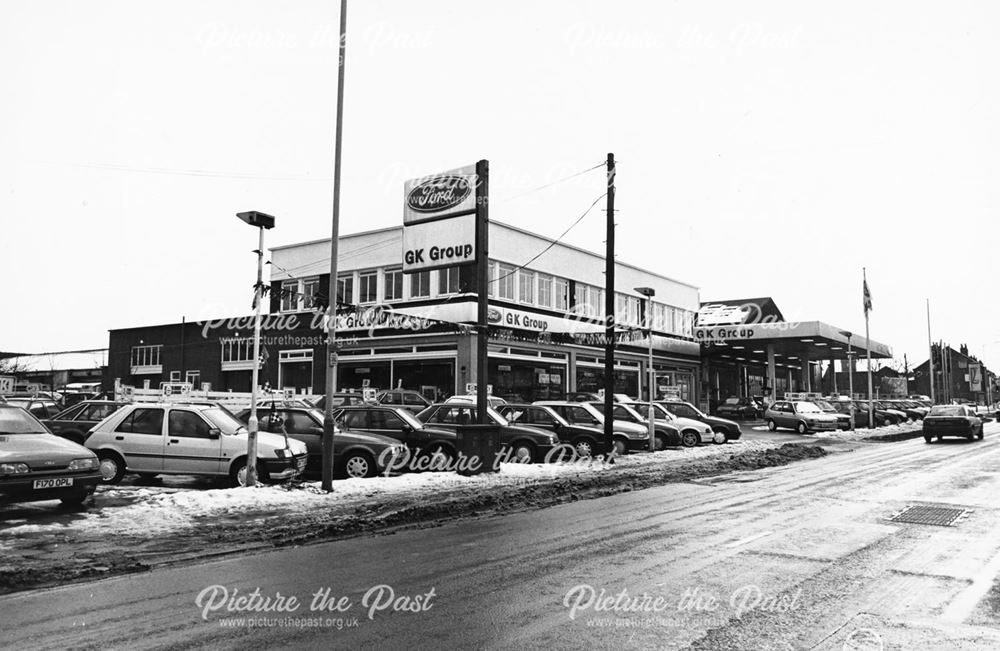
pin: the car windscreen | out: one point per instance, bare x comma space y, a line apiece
807, 408
223, 419
824, 405
17, 421
659, 411
409, 418
947, 410
497, 418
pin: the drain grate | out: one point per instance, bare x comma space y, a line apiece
941, 516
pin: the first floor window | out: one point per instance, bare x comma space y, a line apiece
289, 295
393, 284
310, 288
561, 294
448, 280
492, 276
420, 284
368, 287
345, 289
505, 281
193, 378
526, 286
545, 290
146, 355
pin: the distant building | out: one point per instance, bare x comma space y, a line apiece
56, 370
957, 376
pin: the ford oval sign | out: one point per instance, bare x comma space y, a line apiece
493, 315
439, 194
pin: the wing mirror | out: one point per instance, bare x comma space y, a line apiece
214, 433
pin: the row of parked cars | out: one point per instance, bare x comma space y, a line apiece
99, 441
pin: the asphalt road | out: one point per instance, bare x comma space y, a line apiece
796, 557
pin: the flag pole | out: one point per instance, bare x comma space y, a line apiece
930, 347
868, 348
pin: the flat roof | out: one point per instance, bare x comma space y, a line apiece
814, 340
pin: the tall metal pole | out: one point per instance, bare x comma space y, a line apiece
930, 348
609, 312
850, 381
652, 373
868, 355
253, 424
482, 287
331, 343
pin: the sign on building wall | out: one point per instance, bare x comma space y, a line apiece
439, 221
975, 378
7, 384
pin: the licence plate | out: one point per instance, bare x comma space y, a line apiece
54, 483
302, 464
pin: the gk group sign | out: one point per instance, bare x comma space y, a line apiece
439, 220
726, 333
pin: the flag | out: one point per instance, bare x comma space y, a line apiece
867, 297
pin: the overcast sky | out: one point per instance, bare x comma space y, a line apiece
765, 148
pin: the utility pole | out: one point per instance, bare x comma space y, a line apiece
930, 347
609, 312
331, 309
482, 288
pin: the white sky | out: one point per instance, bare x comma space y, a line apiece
765, 148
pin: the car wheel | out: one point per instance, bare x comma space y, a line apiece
583, 447
721, 436
358, 465
771, 425
928, 439
238, 473
802, 428
524, 452
689, 438
112, 467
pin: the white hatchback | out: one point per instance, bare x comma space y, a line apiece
188, 439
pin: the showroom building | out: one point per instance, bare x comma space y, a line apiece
416, 331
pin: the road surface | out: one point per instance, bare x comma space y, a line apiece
796, 557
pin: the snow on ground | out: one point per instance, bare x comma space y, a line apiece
862, 432
155, 510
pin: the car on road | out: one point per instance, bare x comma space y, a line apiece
739, 409
802, 416
36, 465
587, 440
188, 439
523, 444
626, 437
667, 434
75, 422
410, 400
400, 425
729, 428
953, 420
356, 453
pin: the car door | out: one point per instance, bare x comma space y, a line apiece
139, 437
191, 448
299, 425
387, 423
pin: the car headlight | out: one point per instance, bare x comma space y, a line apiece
281, 453
90, 463
14, 469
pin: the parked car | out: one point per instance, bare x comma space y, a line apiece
844, 405
626, 436
739, 408
37, 407
729, 428
953, 420
75, 422
36, 465
587, 440
667, 435
802, 416
356, 453
524, 444
469, 398
885, 415
340, 399
913, 410
693, 432
843, 420
581, 396
409, 400
188, 439
400, 425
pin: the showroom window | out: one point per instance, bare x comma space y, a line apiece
393, 284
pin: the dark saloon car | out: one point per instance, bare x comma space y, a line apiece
410, 400
356, 453
587, 440
666, 433
731, 429
740, 409
75, 422
36, 465
400, 424
523, 444
340, 400
626, 437
953, 420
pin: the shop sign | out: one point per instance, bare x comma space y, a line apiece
439, 195
6, 384
443, 243
723, 333
472, 389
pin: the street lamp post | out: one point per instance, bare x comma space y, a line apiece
850, 375
649, 293
260, 221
